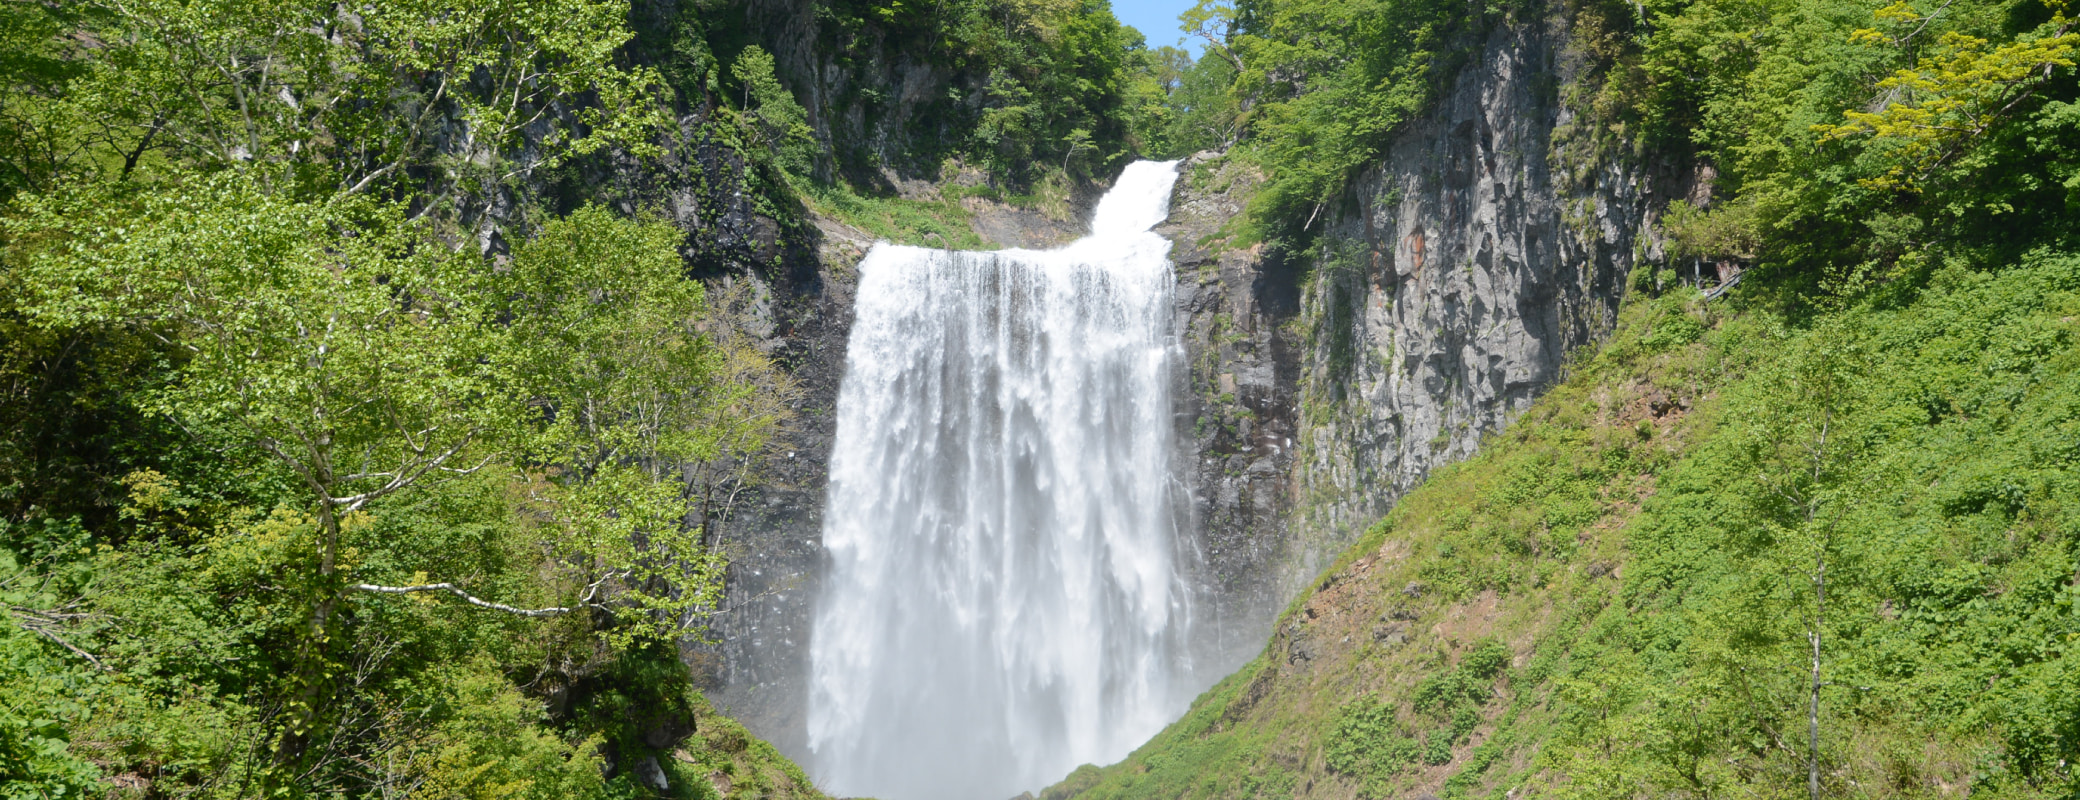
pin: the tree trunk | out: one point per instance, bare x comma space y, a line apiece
310, 666
1813, 704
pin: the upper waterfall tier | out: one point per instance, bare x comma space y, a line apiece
1138, 202
1007, 595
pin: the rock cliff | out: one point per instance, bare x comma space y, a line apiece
1442, 296
1235, 309
1475, 258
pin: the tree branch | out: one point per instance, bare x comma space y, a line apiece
466, 597
591, 592
40, 622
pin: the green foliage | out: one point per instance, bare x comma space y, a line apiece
1467, 685
604, 343
303, 492
33, 71
1029, 76
1328, 82
1853, 147
1725, 231
1308, 90
780, 123
1952, 95
288, 90
1055, 67
1867, 451
722, 748
1183, 105
1367, 744
1659, 529
43, 699
389, 387
490, 744
937, 223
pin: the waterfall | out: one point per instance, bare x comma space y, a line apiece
1006, 596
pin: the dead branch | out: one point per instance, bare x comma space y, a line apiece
591, 591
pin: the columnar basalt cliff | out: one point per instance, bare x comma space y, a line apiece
1439, 300
1476, 258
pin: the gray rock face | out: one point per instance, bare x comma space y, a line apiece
1491, 241
869, 99
757, 668
1238, 413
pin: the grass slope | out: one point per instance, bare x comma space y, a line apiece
723, 761
1619, 596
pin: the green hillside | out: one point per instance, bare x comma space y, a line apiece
1620, 597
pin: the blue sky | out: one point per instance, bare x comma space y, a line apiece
1156, 19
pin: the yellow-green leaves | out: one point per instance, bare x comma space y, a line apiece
368, 361
490, 745
1725, 231
1952, 96
326, 334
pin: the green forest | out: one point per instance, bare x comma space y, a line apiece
304, 494
353, 443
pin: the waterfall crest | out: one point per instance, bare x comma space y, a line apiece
1007, 594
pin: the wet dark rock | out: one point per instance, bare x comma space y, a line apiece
652, 775
1237, 407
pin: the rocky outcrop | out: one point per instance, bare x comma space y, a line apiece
1234, 307
870, 99
1449, 290
1491, 244
757, 666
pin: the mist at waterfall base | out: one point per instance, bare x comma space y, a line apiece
1008, 593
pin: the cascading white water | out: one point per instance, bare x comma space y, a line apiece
1007, 593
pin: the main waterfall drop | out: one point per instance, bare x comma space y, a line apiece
1007, 594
